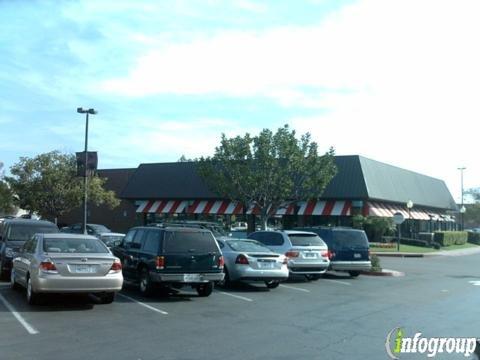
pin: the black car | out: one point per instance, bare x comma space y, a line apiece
171, 256
348, 248
14, 234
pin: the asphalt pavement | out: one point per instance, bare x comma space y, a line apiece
336, 317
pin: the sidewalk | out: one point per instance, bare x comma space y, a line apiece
460, 252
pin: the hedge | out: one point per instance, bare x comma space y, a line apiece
447, 238
474, 238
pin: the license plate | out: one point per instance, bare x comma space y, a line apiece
357, 256
310, 255
266, 264
191, 277
84, 269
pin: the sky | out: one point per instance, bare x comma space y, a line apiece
393, 80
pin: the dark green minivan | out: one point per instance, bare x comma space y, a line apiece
171, 256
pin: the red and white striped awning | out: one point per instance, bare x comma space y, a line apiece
162, 206
215, 207
286, 208
388, 210
325, 208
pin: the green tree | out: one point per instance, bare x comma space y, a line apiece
268, 170
6, 195
47, 184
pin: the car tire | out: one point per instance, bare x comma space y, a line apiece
226, 282
13, 284
146, 286
205, 290
272, 284
354, 273
3, 273
33, 298
107, 298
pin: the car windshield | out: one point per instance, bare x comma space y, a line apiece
23, 232
109, 240
186, 241
305, 240
76, 246
99, 228
350, 239
247, 246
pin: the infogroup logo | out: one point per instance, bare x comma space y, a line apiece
397, 343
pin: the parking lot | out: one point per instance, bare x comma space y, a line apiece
336, 317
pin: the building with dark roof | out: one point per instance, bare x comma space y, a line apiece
361, 186
119, 219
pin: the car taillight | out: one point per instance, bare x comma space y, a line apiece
116, 266
241, 259
292, 254
324, 253
331, 254
48, 266
160, 262
221, 262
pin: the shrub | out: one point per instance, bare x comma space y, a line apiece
377, 227
414, 242
447, 238
376, 266
474, 238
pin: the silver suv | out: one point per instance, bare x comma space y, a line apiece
306, 252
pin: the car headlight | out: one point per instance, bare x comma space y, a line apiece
9, 252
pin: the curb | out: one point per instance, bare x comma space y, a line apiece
384, 272
404, 255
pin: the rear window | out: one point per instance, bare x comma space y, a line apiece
23, 232
192, 242
74, 246
350, 239
247, 246
99, 228
306, 240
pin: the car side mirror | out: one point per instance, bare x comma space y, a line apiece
117, 243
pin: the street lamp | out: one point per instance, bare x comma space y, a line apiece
462, 211
461, 199
85, 179
409, 207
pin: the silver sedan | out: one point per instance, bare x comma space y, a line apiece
66, 263
249, 260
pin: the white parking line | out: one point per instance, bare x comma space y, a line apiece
475, 282
143, 304
294, 288
235, 296
339, 282
19, 317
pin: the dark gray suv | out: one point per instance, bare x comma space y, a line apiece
348, 248
171, 257
14, 234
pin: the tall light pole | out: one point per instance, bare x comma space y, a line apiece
409, 207
85, 174
461, 199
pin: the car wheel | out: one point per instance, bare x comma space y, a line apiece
146, 286
354, 273
107, 298
272, 284
205, 289
226, 282
13, 283
3, 273
32, 296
